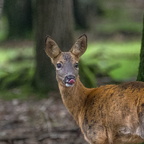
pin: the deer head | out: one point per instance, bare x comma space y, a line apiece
66, 63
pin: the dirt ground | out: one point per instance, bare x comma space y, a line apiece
43, 121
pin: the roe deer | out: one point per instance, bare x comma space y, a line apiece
110, 114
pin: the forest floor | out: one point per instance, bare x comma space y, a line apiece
44, 121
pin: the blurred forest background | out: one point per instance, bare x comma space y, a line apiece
28, 88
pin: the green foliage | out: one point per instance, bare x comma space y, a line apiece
3, 28
119, 60
16, 67
87, 75
140, 76
16, 79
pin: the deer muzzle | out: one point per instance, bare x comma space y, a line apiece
69, 80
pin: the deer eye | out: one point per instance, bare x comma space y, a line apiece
59, 65
76, 65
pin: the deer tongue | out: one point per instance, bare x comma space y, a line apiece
71, 81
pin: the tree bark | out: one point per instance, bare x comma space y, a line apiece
140, 76
53, 18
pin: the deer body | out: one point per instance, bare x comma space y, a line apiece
110, 114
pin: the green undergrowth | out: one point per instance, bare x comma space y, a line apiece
119, 60
22, 93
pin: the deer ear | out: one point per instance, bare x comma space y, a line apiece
80, 46
51, 48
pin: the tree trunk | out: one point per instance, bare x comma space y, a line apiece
86, 12
140, 76
53, 18
19, 15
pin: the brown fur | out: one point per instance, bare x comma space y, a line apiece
110, 114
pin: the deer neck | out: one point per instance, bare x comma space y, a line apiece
74, 97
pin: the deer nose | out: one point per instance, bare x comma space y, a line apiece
69, 80
70, 77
